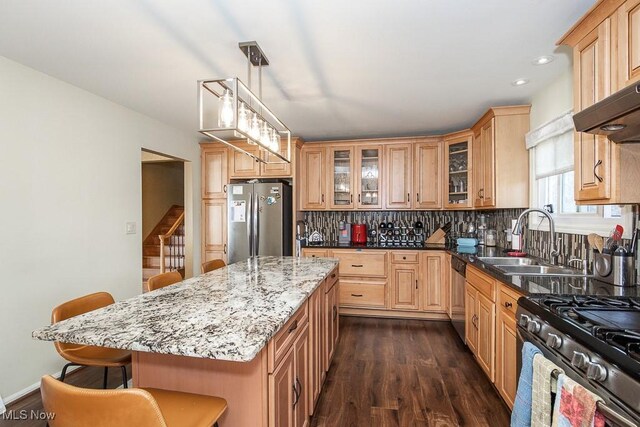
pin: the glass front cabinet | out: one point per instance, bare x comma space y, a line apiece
368, 177
354, 175
458, 183
341, 169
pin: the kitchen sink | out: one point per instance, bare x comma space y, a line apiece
506, 261
538, 270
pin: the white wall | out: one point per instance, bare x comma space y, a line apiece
553, 100
70, 178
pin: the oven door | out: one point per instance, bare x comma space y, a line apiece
524, 335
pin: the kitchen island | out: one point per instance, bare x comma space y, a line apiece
259, 333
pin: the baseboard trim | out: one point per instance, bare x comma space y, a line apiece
34, 388
393, 314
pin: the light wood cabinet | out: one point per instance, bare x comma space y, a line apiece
313, 178
606, 58
458, 170
592, 80
427, 180
369, 176
433, 279
398, 174
243, 166
214, 172
315, 253
360, 293
480, 315
301, 403
404, 287
316, 333
341, 177
214, 229
282, 393
279, 169
332, 320
500, 159
506, 345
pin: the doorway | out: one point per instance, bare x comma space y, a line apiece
165, 190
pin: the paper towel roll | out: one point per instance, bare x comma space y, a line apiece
516, 239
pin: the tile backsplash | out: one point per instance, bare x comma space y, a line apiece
536, 242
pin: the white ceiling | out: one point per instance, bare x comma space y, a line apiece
339, 68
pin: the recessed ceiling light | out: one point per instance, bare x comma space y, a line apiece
542, 60
520, 82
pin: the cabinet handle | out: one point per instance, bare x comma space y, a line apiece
296, 397
598, 177
323, 198
333, 275
508, 304
357, 265
298, 383
481, 193
408, 197
416, 283
335, 312
418, 197
404, 257
356, 295
359, 200
224, 188
294, 326
225, 249
351, 197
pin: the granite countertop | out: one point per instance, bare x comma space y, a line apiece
524, 284
227, 314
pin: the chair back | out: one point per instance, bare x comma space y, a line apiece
80, 407
76, 307
214, 264
163, 279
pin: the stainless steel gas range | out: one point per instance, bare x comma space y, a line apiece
595, 340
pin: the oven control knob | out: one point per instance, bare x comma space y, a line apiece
554, 341
580, 360
596, 371
534, 326
524, 320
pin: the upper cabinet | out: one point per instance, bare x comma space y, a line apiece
606, 58
398, 176
458, 170
500, 159
313, 177
213, 159
243, 166
427, 179
341, 177
368, 176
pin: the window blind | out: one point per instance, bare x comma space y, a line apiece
552, 145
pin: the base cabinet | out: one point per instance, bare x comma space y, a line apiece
506, 345
332, 319
282, 393
404, 287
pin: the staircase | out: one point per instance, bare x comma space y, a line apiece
173, 247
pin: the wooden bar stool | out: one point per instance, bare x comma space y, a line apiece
163, 279
87, 355
80, 407
214, 264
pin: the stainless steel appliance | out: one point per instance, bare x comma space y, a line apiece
595, 340
456, 306
259, 220
617, 116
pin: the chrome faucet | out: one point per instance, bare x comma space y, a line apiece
553, 253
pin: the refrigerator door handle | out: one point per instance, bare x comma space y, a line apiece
256, 226
249, 224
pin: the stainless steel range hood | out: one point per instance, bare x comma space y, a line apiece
617, 116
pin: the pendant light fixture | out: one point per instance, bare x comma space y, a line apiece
232, 114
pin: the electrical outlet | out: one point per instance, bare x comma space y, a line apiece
131, 228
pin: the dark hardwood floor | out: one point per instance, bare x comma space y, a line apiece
405, 373
385, 373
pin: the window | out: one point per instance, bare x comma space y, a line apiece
552, 184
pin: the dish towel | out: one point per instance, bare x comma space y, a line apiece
575, 406
543, 385
521, 415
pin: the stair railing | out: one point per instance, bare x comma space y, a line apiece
176, 247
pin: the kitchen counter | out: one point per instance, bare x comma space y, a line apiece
522, 284
228, 314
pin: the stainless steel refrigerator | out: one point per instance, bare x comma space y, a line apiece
259, 220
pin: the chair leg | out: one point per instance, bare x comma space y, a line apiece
105, 377
124, 377
64, 371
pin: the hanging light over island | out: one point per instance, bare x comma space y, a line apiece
230, 113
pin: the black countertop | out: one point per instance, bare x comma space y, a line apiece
528, 285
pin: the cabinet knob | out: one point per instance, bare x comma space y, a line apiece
508, 304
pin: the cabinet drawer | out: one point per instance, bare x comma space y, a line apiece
508, 300
483, 283
361, 263
404, 257
359, 294
284, 338
314, 253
